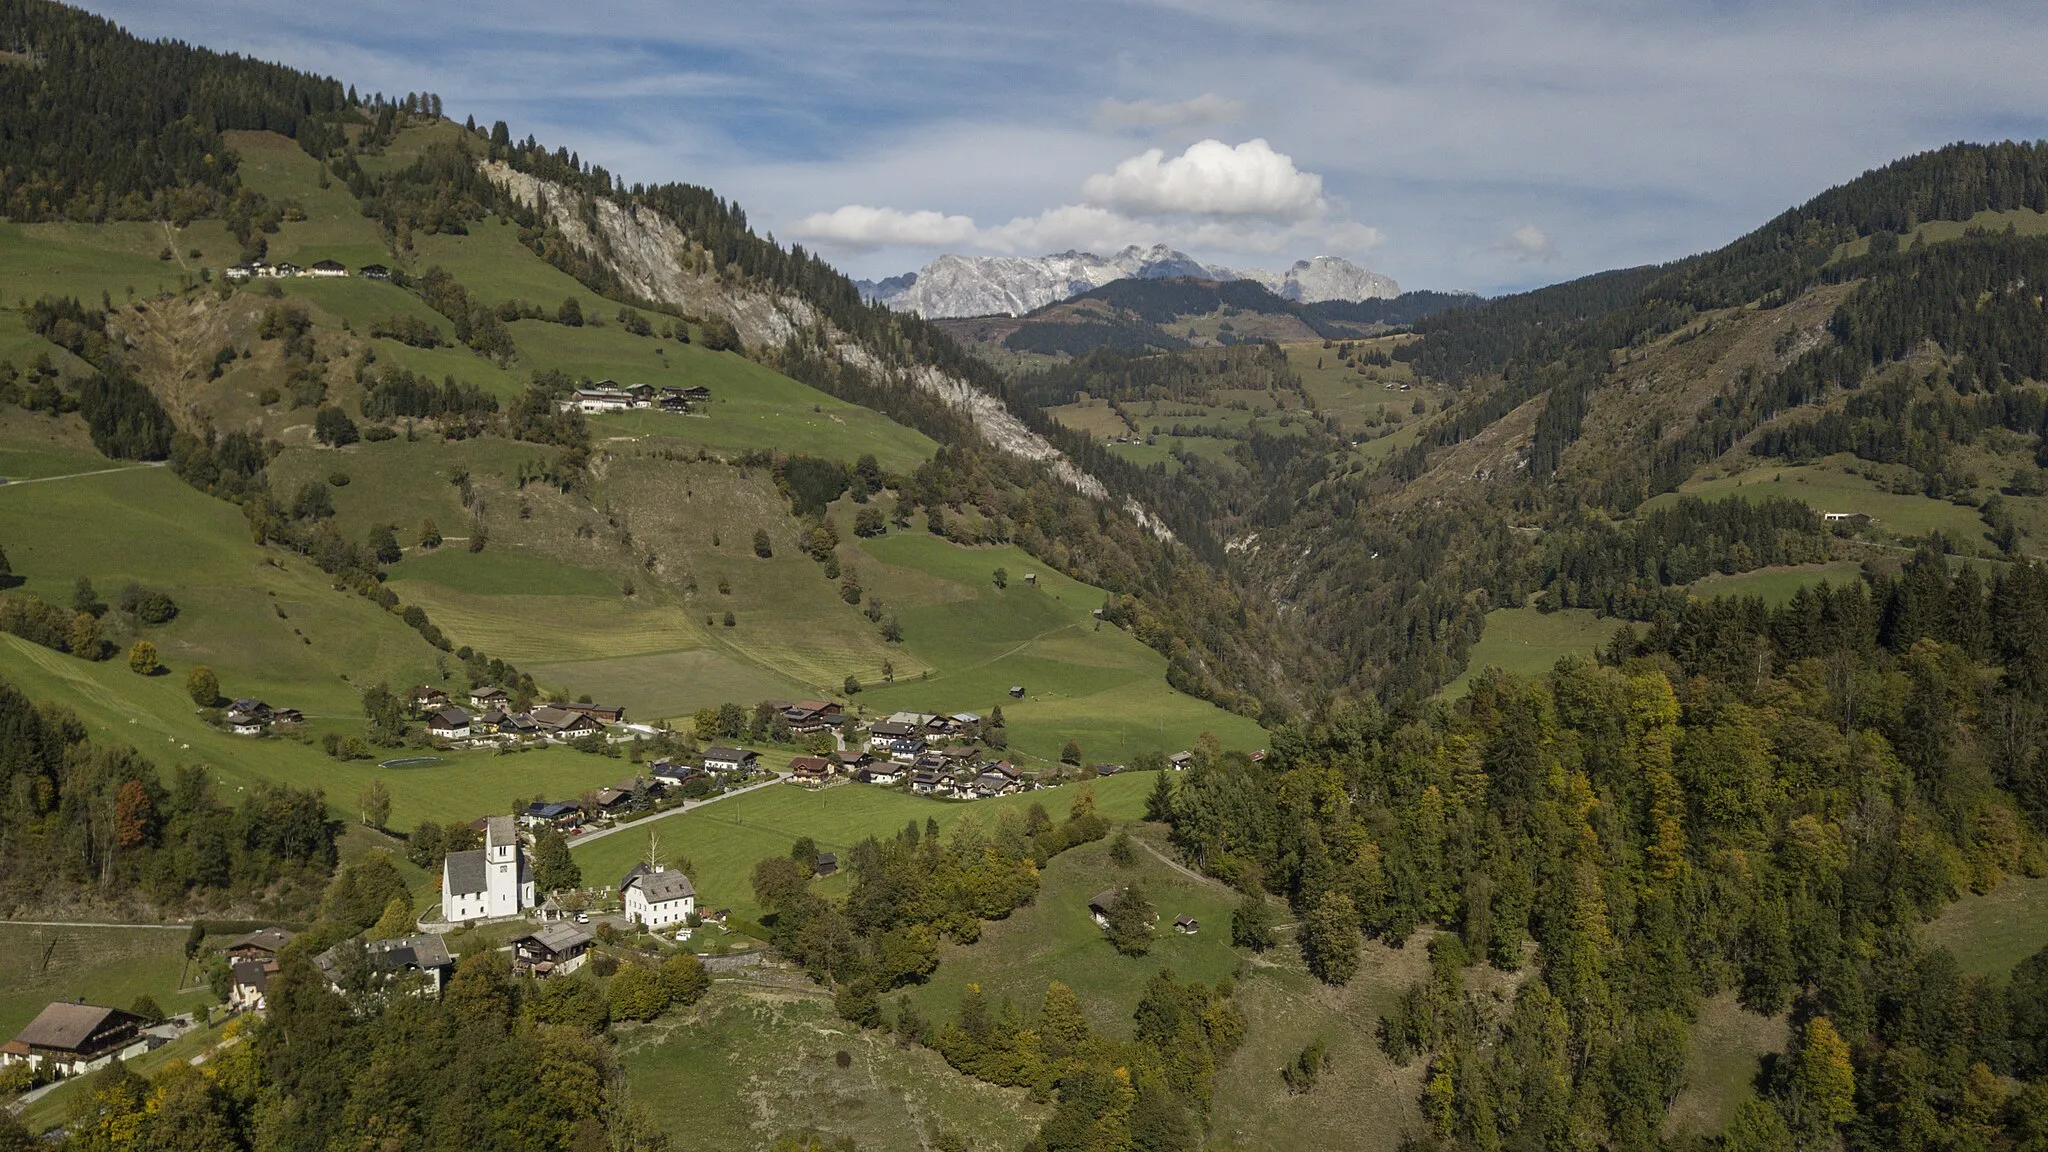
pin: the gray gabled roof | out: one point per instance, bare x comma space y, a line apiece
466, 873
661, 887
559, 937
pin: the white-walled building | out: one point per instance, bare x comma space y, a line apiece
656, 897
487, 883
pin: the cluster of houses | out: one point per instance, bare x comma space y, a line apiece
249, 716
489, 718
286, 270
611, 396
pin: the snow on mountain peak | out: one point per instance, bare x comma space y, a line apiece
954, 285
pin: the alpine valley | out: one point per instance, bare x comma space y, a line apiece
495, 656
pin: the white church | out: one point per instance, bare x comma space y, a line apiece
487, 883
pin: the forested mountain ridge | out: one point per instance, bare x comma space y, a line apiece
1819, 334
674, 249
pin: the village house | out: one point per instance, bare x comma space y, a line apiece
247, 716
562, 724
807, 716
557, 814
884, 733
810, 771
852, 760
489, 882
249, 984
1180, 760
906, 751
592, 401
555, 950
609, 802
1186, 925
375, 272
243, 271
884, 773
826, 864
657, 897
674, 773
730, 760
283, 270
603, 713
66, 1039
489, 696
990, 784
1098, 907
928, 783
262, 944
449, 724
426, 699
424, 955
327, 269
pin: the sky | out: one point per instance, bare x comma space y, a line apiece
1477, 145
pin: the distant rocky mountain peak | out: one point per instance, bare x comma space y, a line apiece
955, 286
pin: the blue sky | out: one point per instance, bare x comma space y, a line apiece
1472, 144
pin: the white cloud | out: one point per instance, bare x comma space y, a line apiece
859, 226
1529, 243
1202, 111
1211, 178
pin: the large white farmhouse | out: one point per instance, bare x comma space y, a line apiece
493, 881
657, 897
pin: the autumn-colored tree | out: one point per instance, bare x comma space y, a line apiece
1823, 1080
396, 921
203, 685
142, 658
132, 815
684, 979
85, 637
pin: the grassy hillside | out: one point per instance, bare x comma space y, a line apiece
619, 590
108, 966
726, 839
753, 1063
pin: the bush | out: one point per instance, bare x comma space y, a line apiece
147, 605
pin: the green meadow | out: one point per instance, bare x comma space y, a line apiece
1834, 485
1991, 932
1529, 643
724, 841
1777, 586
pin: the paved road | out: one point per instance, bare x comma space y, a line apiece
93, 924
76, 475
685, 806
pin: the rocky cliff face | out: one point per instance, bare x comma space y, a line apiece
656, 261
955, 286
